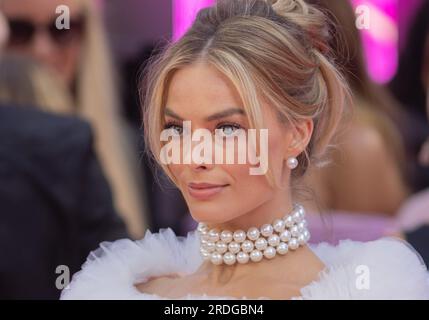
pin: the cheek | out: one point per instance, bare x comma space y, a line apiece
254, 188
63, 60
176, 170
245, 193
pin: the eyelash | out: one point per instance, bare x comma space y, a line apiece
172, 124
236, 126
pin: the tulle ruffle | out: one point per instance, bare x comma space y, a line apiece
396, 271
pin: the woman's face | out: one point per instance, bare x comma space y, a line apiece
4, 31
33, 32
218, 193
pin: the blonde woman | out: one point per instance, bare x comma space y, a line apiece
247, 64
24, 83
80, 56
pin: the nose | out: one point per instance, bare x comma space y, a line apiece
42, 47
200, 167
202, 155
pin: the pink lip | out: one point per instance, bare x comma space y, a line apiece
204, 191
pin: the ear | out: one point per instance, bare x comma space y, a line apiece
301, 135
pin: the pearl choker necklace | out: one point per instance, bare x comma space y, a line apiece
228, 247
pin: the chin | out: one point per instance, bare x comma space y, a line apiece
209, 213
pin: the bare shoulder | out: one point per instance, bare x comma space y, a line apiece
361, 140
363, 154
175, 286
159, 285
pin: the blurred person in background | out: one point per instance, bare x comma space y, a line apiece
414, 214
24, 82
4, 31
163, 197
81, 57
366, 182
55, 203
415, 211
410, 87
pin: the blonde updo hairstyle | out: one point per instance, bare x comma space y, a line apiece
272, 51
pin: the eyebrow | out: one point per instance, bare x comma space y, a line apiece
215, 116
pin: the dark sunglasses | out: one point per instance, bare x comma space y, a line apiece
22, 31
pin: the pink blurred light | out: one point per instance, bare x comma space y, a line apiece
184, 12
380, 43
407, 11
381, 40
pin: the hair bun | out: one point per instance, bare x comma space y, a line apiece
313, 21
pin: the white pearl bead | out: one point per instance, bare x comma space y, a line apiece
205, 254
253, 233
282, 248
294, 231
234, 247
221, 247
279, 225
273, 240
285, 236
239, 236
307, 235
229, 258
301, 210
242, 257
279, 237
261, 244
214, 235
297, 216
210, 246
289, 222
297, 206
293, 243
301, 239
270, 252
226, 236
202, 227
302, 226
216, 258
205, 235
267, 230
292, 163
256, 256
247, 246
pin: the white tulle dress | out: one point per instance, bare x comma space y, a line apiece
396, 271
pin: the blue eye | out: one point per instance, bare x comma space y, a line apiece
229, 129
174, 128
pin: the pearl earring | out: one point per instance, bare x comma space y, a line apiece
292, 163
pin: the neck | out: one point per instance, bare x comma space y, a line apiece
265, 213
222, 274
